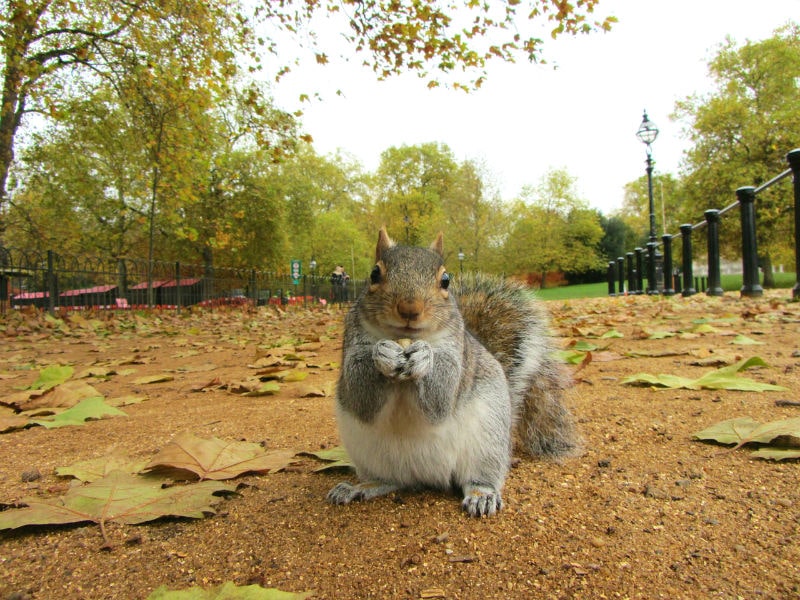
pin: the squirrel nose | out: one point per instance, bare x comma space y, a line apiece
409, 310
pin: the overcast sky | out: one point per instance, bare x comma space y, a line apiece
579, 112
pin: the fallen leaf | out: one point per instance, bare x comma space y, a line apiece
119, 497
611, 333
788, 430
776, 453
147, 379
660, 335
51, 377
267, 389
732, 431
743, 340
91, 408
99, 372
12, 423
218, 459
125, 400
571, 357
336, 457
227, 591
67, 394
295, 376
216, 382
97, 468
725, 378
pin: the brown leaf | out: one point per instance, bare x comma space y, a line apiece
216, 382
218, 459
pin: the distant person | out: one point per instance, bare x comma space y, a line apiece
338, 283
345, 282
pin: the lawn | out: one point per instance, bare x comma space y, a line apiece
730, 283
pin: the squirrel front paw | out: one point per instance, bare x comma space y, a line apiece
345, 493
389, 358
396, 362
481, 500
419, 360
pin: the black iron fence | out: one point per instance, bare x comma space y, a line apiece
626, 274
55, 282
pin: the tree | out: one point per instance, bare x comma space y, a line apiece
409, 187
618, 237
50, 45
473, 217
243, 138
456, 40
83, 188
741, 132
670, 211
555, 230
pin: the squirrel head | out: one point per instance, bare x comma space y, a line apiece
408, 293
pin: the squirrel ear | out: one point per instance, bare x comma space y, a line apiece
438, 244
384, 243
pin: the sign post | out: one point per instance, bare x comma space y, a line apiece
296, 270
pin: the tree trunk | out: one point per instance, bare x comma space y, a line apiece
11, 108
766, 266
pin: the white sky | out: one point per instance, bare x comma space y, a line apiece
582, 115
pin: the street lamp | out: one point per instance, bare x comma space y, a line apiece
647, 134
461, 260
313, 266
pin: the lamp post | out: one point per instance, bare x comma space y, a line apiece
313, 266
461, 260
647, 134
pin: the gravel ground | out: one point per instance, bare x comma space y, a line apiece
645, 512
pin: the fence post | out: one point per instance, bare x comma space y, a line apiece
747, 212
686, 261
631, 272
669, 290
714, 280
52, 286
652, 284
621, 275
794, 163
611, 277
177, 286
253, 287
122, 279
639, 271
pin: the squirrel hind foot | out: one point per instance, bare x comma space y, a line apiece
481, 500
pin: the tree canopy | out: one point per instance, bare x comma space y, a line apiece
741, 132
53, 49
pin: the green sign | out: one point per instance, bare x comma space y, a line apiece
297, 271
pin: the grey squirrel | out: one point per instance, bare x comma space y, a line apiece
434, 380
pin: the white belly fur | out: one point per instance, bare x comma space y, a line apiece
402, 447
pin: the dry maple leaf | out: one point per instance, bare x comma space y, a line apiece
218, 459
119, 497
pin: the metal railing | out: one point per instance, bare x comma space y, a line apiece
55, 282
630, 267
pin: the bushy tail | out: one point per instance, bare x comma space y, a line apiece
513, 326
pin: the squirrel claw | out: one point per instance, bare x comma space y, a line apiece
481, 501
345, 493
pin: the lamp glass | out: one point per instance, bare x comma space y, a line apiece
648, 132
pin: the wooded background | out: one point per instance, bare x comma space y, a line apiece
146, 129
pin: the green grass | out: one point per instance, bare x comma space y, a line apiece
730, 283
568, 292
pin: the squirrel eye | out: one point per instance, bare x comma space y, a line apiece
375, 275
445, 282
